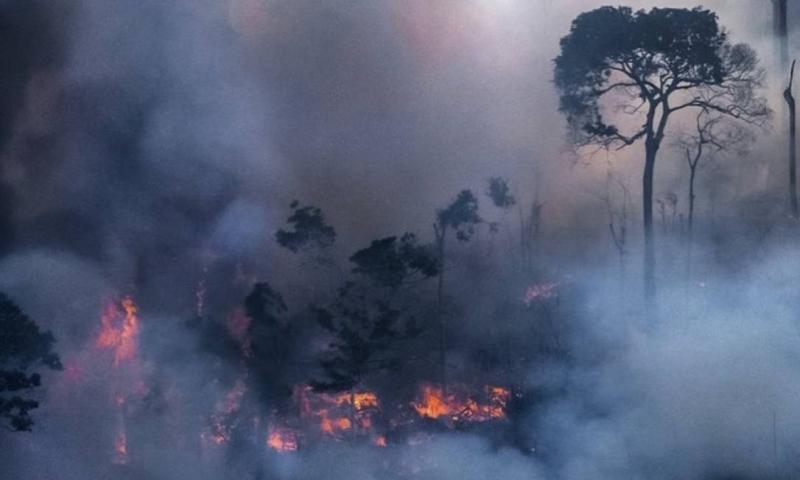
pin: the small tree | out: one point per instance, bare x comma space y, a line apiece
656, 64
23, 347
461, 216
500, 195
270, 355
367, 318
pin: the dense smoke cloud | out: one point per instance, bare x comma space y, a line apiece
146, 147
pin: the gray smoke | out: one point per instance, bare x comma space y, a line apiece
146, 146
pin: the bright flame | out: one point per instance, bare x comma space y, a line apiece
119, 332
435, 403
338, 412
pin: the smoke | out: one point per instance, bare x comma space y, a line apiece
149, 147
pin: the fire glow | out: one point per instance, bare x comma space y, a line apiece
338, 413
435, 403
318, 416
119, 330
539, 292
119, 333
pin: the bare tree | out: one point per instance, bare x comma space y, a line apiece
713, 135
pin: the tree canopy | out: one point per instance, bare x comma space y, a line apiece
23, 347
309, 229
652, 57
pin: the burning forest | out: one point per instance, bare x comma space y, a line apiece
478, 239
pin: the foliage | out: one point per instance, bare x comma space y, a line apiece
652, 58
364, 329
389, 262
23, 346
271, 345
500, 194
366, 322
310, 230
461, 215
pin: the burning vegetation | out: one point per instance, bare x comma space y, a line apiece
235, 342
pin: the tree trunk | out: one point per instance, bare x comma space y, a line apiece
647, 203
692, 171
781, 29
787, 95
440, 237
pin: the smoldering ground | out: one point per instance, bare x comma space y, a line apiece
148, 145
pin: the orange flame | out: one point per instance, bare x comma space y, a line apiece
435, 403
338, 412
282, 440
379, 441
122, 338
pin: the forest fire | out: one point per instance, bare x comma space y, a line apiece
435, 403
282, 440
220, 428
119, 330
338, 413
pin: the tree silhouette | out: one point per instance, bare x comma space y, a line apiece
461, 216
23, 346
368, 315
500, 194
655, 63
310, 230
390, 263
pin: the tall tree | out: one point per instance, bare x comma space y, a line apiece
787, 95
655, 64
781, 29
461, 217
23, 347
